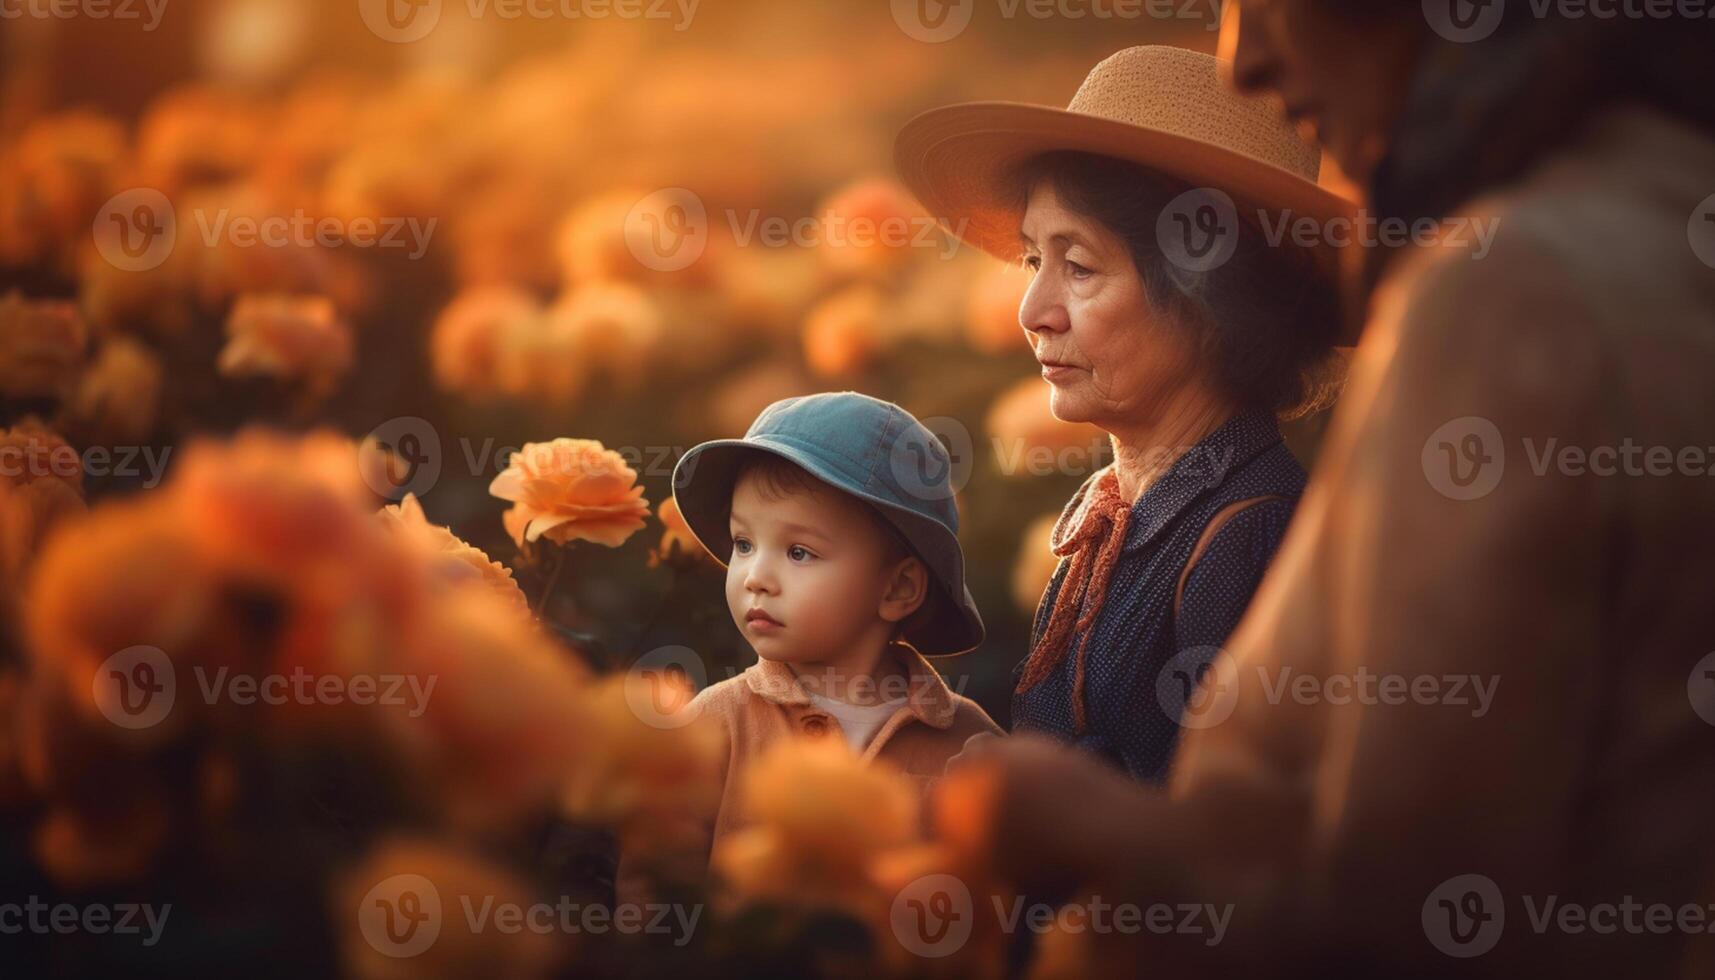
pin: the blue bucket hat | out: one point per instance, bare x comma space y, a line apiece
873, 450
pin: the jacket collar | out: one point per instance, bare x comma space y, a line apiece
927, 696
1200, 471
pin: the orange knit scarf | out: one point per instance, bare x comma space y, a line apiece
1090, 532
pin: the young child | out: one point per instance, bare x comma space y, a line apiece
834, 517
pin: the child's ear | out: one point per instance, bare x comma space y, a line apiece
907, 586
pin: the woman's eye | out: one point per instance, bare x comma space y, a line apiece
1033, 262
1079, 271
799, 553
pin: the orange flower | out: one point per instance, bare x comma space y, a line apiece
1030, 441
870, 226
841, 335
55, 179
819, 819
197, 134
42, 345
991, 310
612, 328
427, 886
119, 396
298, 338
451, 560
677, 541
471, 334
569, 490
1035, 563
648, 772
41, 484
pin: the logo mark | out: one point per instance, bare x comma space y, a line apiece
1198, 231
933, 916
660, 684
1464, 916
668, 230
399, 456
400, 21
1464, 459
933, 461
933, 21
1700, 688
135, 231
1701, 231
1464, 21
135, 688
1198, 687
401, 916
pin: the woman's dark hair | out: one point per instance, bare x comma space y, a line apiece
1264, 322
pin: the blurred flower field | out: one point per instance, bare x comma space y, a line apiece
325, 360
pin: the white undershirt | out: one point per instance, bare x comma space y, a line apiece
859, 722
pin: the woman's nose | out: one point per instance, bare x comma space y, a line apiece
1042, 311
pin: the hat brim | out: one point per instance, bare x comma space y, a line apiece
703, 482
957, 160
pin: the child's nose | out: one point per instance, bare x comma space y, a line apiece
758, 578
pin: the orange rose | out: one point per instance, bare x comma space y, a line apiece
41, 484
118, 398
677, 541
612, 328
42, 346
1035, 563
298, 338
870, 227
991, 310
451, 560
818, 820
405, 878
473, 332
55, 179
1030, 441
569, 490
842, 334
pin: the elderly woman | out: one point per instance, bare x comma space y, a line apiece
1484, 515
1161, 311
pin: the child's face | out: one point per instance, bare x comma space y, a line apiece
810, 580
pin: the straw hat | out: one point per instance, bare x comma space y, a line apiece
1164, 108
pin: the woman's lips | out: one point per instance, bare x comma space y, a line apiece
761, 622
1053, 372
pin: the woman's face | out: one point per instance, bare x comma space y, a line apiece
1342, 70
1109, 357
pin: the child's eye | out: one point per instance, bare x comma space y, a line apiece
799, 553
741, 546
